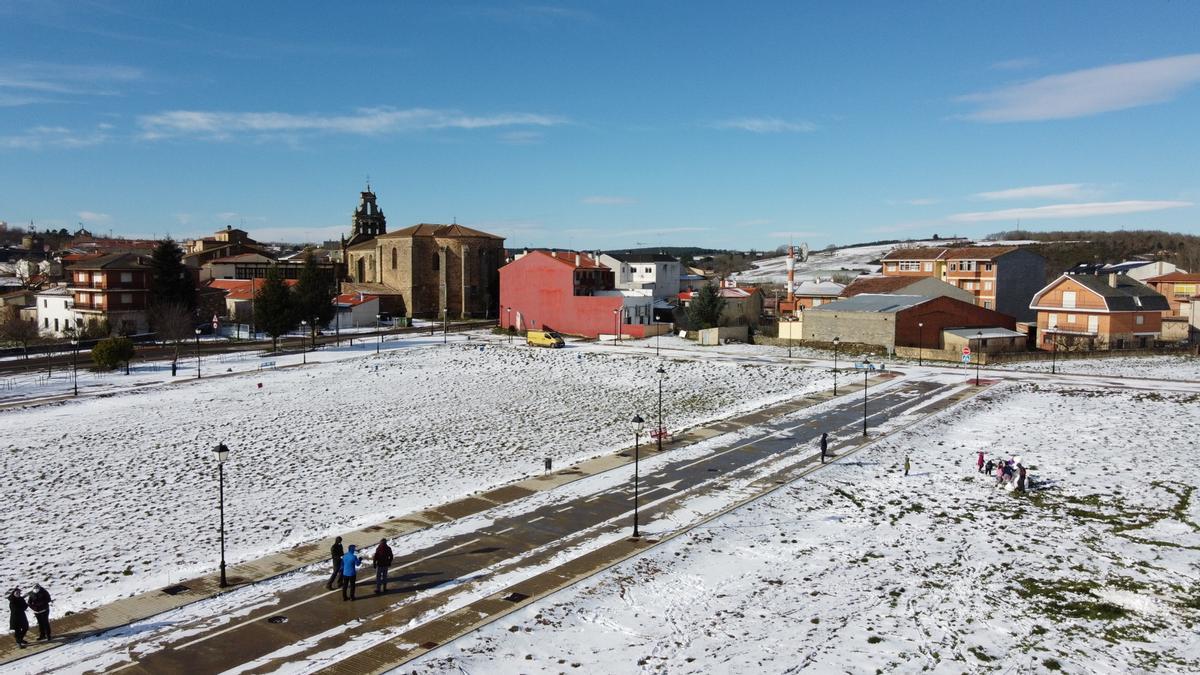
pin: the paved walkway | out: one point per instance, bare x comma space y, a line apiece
305, 617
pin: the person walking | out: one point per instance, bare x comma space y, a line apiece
381, 561
18, 623
824, 445
907, 465
336, 553
1021, 477
979, 462
350, 563
39, 603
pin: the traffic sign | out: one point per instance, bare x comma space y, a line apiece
966, 358
966, 351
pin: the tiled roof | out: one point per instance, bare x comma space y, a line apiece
112, 261
862, 285
1128, 295
434, 230
242, 289
827, 289
586, 262
987, 332
354, 299
978, 252
241, 257
1185, 277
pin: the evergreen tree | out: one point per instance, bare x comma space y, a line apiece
171, 282
275, 307
314, 295
705, 308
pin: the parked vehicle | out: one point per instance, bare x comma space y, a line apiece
543, 338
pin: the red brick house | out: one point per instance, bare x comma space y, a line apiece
1178, 288
1003, 278
112, 288
1091, 311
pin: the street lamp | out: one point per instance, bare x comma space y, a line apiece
510, 325
866, 374
75, 362
303, 344
638, 424
979, 347
661, 374
445, 323
222, 455
1053, 353
197, 353
920, 343
836, 341
379, 334
616, 326
316, 322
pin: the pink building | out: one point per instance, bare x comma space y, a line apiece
572, 293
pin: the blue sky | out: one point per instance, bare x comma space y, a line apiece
605, 124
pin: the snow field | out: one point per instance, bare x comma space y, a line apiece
860, 569
117, 494
1154, 367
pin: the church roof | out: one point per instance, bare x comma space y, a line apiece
444, 231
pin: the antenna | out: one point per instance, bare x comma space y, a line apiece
368, 182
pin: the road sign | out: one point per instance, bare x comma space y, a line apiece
966, 351
966, 358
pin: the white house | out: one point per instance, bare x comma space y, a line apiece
655, 272
56, 311
354, 310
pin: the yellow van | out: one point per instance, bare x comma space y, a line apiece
543, 338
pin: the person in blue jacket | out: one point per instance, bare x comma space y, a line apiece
350, 563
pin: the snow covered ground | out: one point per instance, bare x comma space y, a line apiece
116, 494
858, 568
1157, 367
824, 264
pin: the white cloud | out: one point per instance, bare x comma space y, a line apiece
765, 125
25, 83
37, 138
1087, 92
94, 218
1055, 191
608, 200
1084, 210
364, 121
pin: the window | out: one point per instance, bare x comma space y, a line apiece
987, 267
891, 267
56, 325
45, 323
987, 304
966, 266
127, 277
394, 257
1068, 299
1070, 318
928, 267
1093, 324
987, 285
910, 266
44, 303
1052, 321
1139, 319
97, 278
437, 262
127, 298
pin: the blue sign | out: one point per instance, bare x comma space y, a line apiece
966, 358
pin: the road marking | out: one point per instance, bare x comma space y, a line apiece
565, 508
507, 529
318, 596
534, 520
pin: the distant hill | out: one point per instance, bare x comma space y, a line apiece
1063, 249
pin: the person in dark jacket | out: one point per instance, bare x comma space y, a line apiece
336, 553
18, 623
989, 467
350, 563
824, 445
381, 561
39, 604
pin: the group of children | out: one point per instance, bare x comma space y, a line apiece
1009, 473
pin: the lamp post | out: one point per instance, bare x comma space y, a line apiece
378, 333
445, 323
197, 353
866, 374
920, 343
979, 348
836, 341
222, 455
509, 326
303, 344
616, 326
661, 374
638, 424
1053, 353
316, 322
75, 363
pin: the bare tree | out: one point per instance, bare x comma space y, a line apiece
174, 324
14, 330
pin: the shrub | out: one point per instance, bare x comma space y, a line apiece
112, 352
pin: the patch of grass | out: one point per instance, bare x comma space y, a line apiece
981, 655
874, 639
1051, 664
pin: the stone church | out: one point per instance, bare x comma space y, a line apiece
420, 271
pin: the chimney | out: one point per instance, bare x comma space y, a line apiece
578, 260
791, 274
1112, 279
